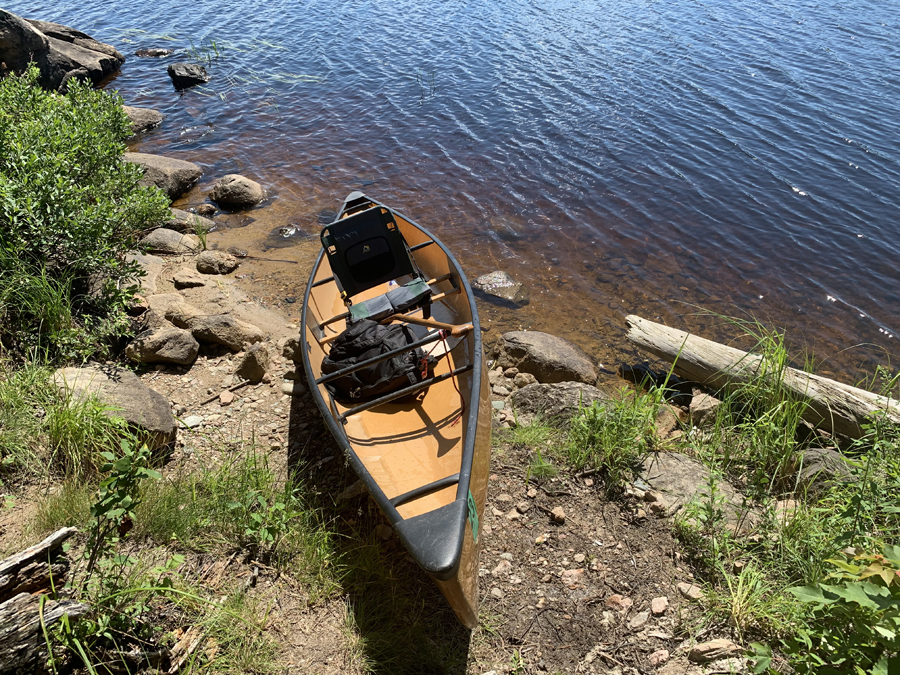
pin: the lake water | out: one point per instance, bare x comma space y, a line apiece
658, 158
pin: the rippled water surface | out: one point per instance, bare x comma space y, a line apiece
618, 157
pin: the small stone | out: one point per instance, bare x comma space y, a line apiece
497, 512
188, 279
589, 482
618, 602
658, 658
638, 620
506, 556
513, 515
640, 514
496, 592
191, 422
558, 515
703, 409
503, 567
572, 578
658, 606
504, 497
690, 591
540, 539
532, 493
216, 262
523, 507
293, 388
524, 379
500, 390
254, 363
510, 372
714, 650
226, 398
578, 557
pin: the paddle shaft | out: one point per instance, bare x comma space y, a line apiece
455, 331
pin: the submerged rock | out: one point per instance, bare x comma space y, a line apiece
142, 119
500, 286
237, 191
154, 52
186, 75
547, 357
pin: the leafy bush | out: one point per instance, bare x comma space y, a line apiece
69, 210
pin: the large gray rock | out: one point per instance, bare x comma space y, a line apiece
559, 400
140, 406
174, 308
188, 278
224, 329
500, 286
679, 480
60, 52
186, 75
152, 266
172, 176
216, 262
547, 357
822, 466
237, 191
163, 240
142, 119
20, 42
163, 345
184, 221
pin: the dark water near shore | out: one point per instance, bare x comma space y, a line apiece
619, 157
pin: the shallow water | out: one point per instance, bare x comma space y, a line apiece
618, 157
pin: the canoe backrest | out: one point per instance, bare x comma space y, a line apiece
365, 250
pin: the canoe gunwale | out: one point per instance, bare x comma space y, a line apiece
454, 512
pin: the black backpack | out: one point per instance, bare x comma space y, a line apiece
363, 340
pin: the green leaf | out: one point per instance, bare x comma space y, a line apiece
808, 594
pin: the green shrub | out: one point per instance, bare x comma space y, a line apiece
70, 209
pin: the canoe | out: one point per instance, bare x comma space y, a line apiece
423, 452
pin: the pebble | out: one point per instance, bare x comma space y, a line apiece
690, 591
579, 557
713, 651
557, 515
510, 372
658, 657
532, 493
506, 556
513, 515
496, 592
572, 578
639, 620
540, 539
496, 511
523, 507
226, 398
503, 567
659, 605
504, 498
618, 602
191, 422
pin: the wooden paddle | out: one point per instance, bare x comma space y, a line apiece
455, 330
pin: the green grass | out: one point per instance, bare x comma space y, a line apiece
241, 504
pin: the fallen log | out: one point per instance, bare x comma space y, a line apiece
833, 406
23, 578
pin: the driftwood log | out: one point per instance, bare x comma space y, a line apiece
833, 406
24, 578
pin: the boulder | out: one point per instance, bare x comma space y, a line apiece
254, 364
152, 266
559, 400
500, 286
140, 406
142, 119
163, 345
678, 480
172, 176
163, 240
60, 52
822, 466
216, 262
186, 75
224, 329
237, 192
184, 221
20, 42
188, 278
703, 409
547, 357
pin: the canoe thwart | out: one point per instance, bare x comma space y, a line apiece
432, 337
423, 490
454, 330
412, 249
406, 391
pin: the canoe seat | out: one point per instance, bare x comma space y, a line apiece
367, 249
